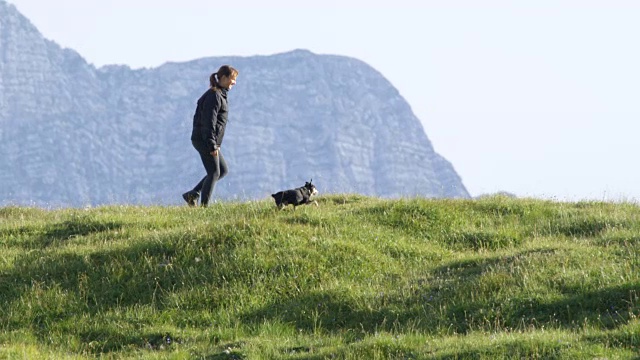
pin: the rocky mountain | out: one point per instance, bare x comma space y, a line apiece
72, 134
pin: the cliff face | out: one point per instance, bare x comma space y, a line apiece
72, 135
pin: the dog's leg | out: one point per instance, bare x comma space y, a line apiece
316, 203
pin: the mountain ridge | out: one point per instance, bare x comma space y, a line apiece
80, 135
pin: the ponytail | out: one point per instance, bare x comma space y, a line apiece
213, 82
225, 70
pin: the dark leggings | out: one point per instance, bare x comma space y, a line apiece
216, 169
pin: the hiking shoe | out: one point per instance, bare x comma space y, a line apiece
190, 198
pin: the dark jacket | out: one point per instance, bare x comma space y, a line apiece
210, 118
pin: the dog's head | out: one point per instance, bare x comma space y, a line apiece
312, 188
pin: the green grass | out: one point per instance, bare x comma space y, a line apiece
355, 278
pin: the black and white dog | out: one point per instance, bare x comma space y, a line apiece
297, 196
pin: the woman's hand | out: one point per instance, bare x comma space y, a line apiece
214, 153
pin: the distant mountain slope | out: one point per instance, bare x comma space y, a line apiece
72, 134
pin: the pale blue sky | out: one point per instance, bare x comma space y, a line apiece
538, 98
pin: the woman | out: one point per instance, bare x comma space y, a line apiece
209, 123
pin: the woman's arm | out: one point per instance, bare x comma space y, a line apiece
210, 109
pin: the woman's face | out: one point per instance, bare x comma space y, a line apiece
227, 82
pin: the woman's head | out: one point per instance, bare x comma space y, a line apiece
224, 78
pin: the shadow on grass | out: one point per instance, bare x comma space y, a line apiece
514, 350
447, 306
622, 240
45, 288
468, 269
104, 278
225, 355
74, 228
104, 341
136, 275
583, 227
411, 218
629, 339
483, 240
607, 308
303, 219
323, 310
30, 237
439, 224
342, 199
141, 274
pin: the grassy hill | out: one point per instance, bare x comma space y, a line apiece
355, 278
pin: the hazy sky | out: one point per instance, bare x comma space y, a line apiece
539, 99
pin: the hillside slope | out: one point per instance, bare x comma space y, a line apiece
354, 278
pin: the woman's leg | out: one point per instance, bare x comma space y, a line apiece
224, 170
192, 196
212, 177
198, 188
212, 166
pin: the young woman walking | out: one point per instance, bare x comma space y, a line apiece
209, 122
